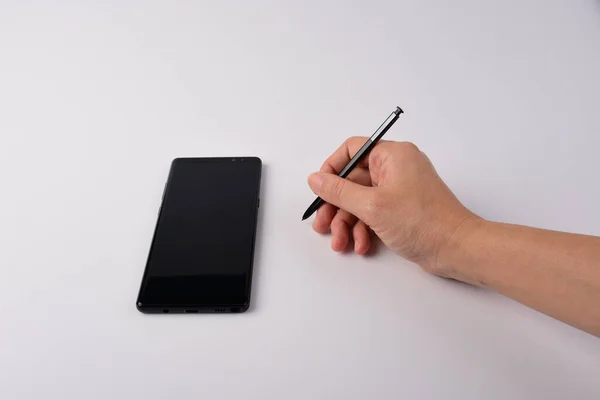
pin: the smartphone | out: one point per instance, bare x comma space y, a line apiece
202, 252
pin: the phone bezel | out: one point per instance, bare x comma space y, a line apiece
204, 308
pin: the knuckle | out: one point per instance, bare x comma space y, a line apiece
379, 202
333, 188
409, 147
337, 188
375, 204
381, 152
338, 224
426, 158
352, 139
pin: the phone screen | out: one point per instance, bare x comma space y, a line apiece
203, 247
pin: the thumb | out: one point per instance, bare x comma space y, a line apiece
342, 193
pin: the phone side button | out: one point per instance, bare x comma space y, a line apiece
258, 203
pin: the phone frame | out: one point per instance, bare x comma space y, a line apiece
203, 308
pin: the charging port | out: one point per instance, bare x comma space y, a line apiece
191, 311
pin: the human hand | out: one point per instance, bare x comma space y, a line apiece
396, 193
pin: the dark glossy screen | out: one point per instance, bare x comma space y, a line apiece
203, 245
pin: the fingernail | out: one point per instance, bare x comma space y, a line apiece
315, 181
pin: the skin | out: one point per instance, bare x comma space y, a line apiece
396, 194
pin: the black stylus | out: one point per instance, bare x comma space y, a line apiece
372, 141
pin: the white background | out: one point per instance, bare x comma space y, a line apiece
96, 99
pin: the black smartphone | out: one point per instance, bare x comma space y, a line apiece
202, 251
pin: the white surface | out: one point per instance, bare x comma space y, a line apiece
96, 100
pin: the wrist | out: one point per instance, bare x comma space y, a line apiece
452, 257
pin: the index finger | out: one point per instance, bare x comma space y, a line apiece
342, 156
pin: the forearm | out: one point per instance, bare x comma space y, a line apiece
553, 272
